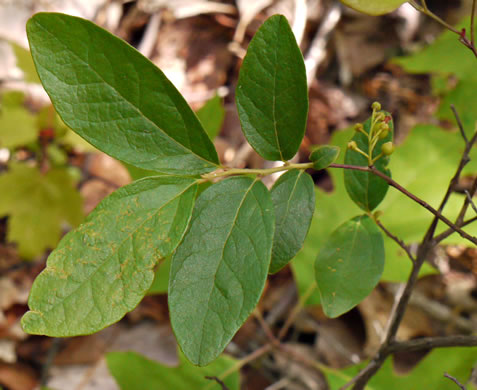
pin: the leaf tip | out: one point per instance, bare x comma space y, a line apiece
32, 322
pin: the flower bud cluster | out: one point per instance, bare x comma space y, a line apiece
379, 130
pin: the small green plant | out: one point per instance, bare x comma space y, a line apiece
38, 191
225, 241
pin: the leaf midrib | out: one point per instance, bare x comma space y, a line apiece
137, 109
232, 225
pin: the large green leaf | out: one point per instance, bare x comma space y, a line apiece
374, 7
135, 372
349, 265
115, 98
101, 270
219, 270
294, 198
365, 188
272, 95
37, 204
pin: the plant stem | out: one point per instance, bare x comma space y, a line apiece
450, 231
226, 171
426, 246
397, 186
470, 44
396, 239
472, 24
298, 307
264, 349
433, 342
455, 380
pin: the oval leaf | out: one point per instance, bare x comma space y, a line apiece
219, 270
324, 155
364, 188
349, 265
374, 7
136, 372
102, 270
272, 95
115, 98
294, 198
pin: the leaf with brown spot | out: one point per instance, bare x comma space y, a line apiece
118, 246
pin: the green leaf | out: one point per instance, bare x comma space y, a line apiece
101, 270
374, 7
364, 188
429, 373
446, 55
349, 265
426, 177
212, 115
25, 63
135, 372
294, 198
37, 204
219, 270
272, 95
323, 156
115, 98
161, 277
17, 124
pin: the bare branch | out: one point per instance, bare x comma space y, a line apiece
433, 342
221, 383
400, 188
459, 123
397, 240
462, 387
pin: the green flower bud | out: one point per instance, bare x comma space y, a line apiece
384, 130
352, 145
376, 106
387, 148
380, 117
358, 127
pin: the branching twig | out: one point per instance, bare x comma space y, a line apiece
425, 247
462, 387
471, 202
472, 23
433, 342
400, 188
459, 123
469, 43
220, 382
439, 238
397, 240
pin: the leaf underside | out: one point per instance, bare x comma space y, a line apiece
374, 7
101, 270
115, 98
219, 270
